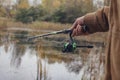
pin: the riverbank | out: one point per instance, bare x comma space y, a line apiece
37, 28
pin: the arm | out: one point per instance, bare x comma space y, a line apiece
95, 22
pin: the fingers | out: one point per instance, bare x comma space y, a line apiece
78, 21
77, 27
74, 25
77, 31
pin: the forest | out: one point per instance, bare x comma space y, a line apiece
63, 11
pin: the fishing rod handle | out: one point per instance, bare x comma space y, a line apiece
84, 29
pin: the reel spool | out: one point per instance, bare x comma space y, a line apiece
69, 47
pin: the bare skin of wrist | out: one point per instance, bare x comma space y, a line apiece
77, 27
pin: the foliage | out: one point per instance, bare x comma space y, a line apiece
29, 15
5, 8
21, 16
69, 11
23, 4
51, 5
64, 11
59, 16
2, 12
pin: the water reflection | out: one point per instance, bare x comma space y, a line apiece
35, 62
17, 63
75, 66
17, 54
21, 62
54, 66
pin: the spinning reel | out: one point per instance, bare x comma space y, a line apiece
71, 45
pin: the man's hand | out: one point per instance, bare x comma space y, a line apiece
77, 27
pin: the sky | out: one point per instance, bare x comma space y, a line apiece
30, 1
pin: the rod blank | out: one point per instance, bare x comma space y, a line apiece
51, 33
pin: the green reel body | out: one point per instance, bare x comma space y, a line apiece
69, 47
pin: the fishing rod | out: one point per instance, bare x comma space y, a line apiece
69, 46
51, 33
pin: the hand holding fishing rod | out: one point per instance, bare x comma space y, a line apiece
69, 46
79, 27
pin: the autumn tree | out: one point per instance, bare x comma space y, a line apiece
5, 7
71, 9
2, 11
51, 5
23, 4
54, 10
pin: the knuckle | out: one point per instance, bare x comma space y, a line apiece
77, 19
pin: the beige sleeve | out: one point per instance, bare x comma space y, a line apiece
97, 21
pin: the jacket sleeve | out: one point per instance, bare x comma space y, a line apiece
97, 21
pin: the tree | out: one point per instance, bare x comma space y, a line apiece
2, 12
66, 10
29, 15
75, 8
60, 16
23, 4
6, 6
51, 5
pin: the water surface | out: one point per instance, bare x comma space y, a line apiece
33, 61
24, 62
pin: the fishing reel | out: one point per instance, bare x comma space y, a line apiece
69, 46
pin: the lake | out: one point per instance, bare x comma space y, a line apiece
44, 60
